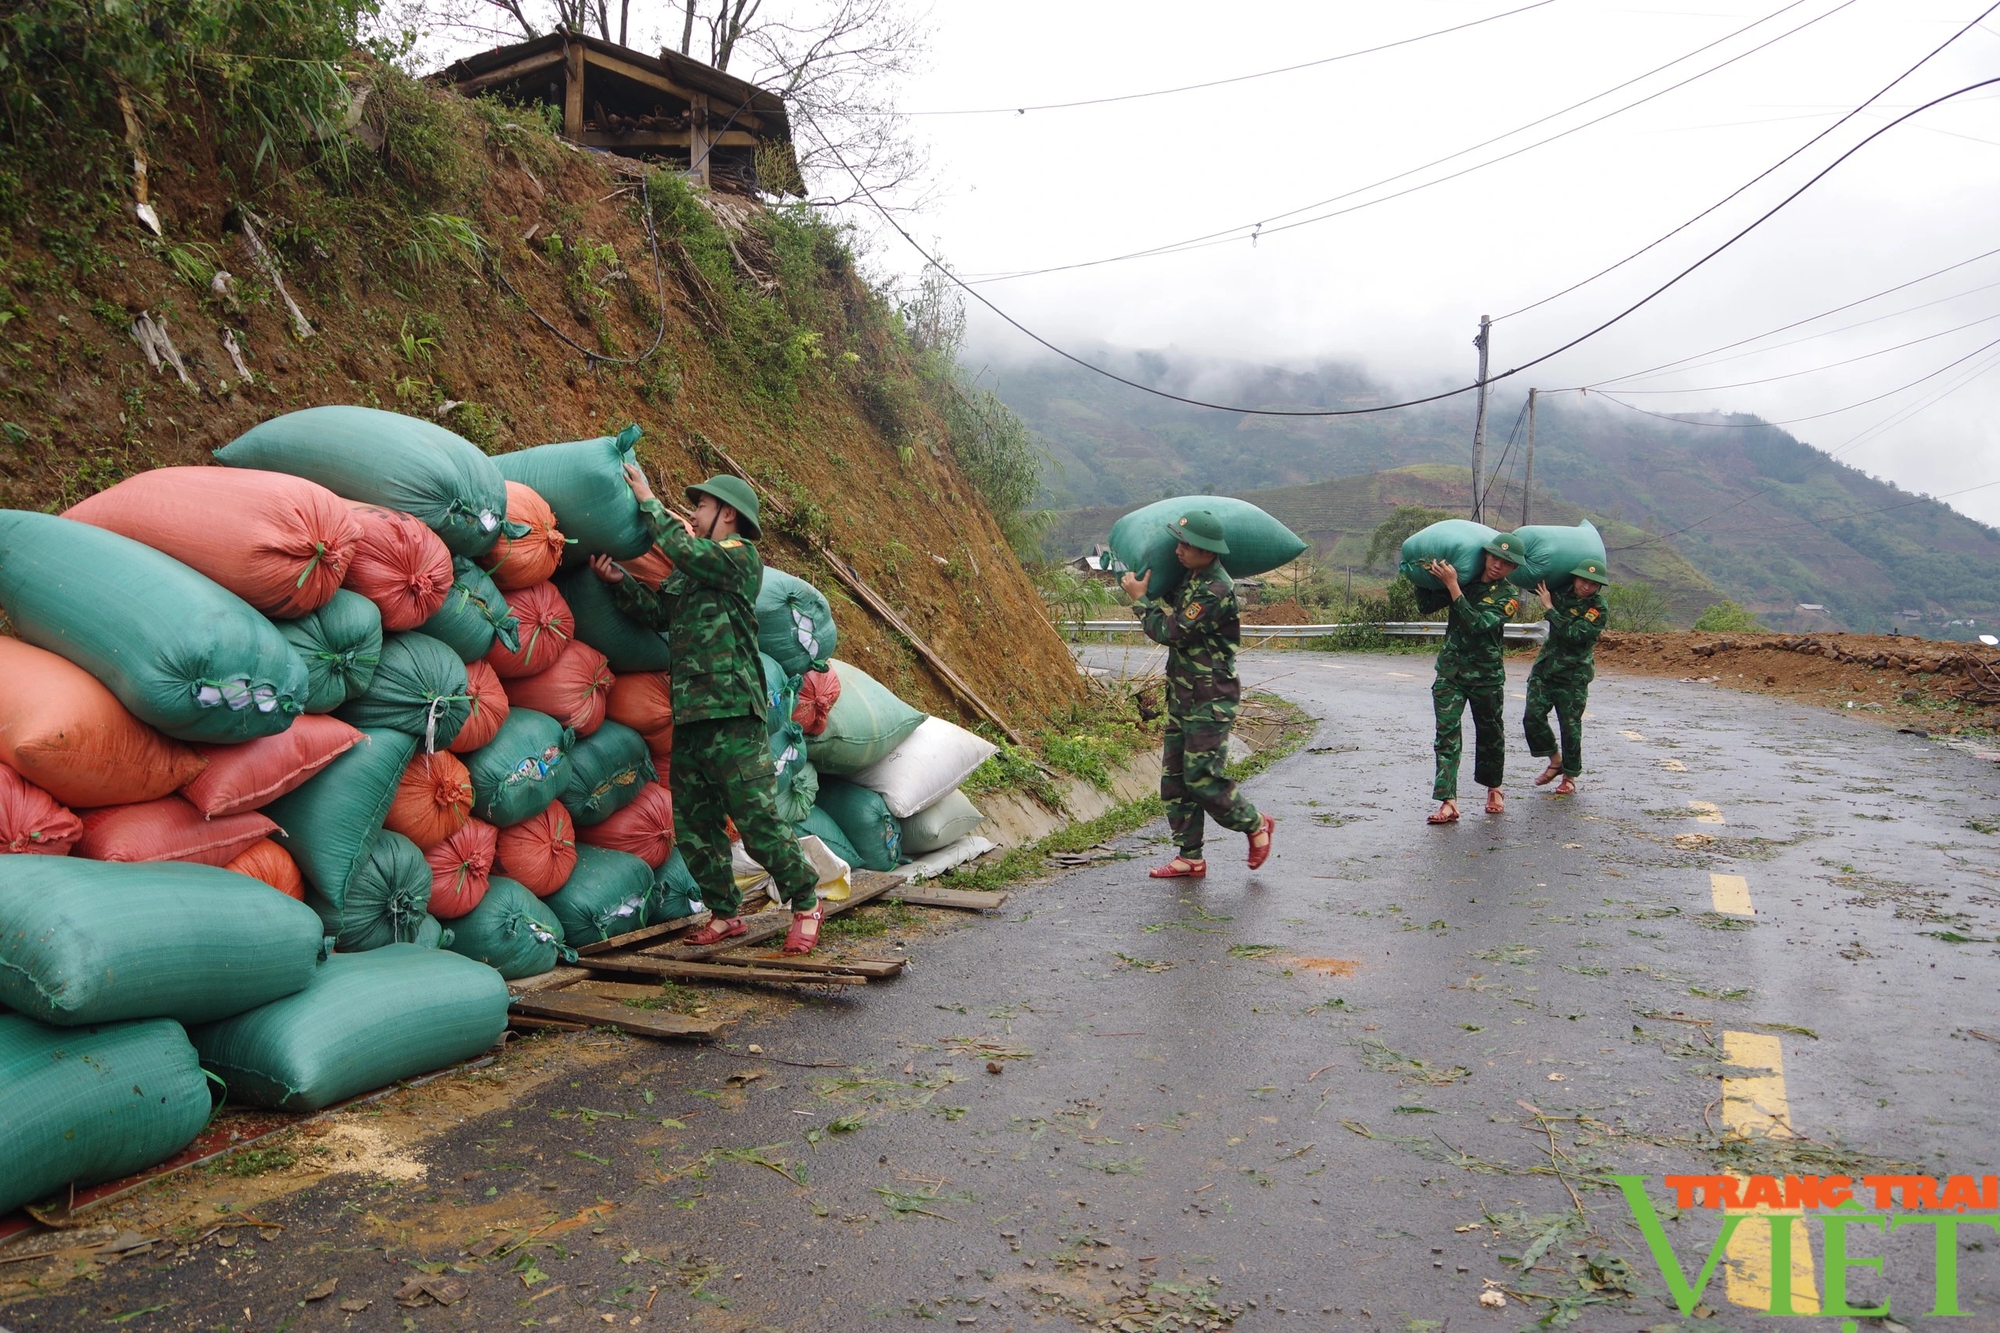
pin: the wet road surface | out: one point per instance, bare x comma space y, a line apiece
1333, 1094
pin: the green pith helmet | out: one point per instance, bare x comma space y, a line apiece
1592, 570
1509, 547
736, 493
1201, 530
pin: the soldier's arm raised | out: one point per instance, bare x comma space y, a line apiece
703, 561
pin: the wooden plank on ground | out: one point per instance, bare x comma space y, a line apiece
598, 1011
553, 979
971, 900
635, 965
645, 934
522, 1023
876, 969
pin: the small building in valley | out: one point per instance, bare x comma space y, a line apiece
726, 133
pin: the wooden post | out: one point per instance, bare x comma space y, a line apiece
699, 140
1528, 482
1479, 426
573, 92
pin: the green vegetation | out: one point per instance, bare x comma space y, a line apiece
1637, 608
1728, 617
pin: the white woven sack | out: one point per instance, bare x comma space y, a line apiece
927, 767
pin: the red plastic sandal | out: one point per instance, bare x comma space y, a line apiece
1179, 868
716, 931
803, 937
1259, 855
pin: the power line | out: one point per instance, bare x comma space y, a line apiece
1759, 221
1221, 83
1881, 92
1253, 230
1831, 365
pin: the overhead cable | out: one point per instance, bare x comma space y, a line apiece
1831, 365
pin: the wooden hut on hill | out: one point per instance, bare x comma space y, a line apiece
725, 132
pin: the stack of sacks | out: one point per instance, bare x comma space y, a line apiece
862, 727
797, 780
918, 783
106, 968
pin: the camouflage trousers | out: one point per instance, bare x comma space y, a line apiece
1567, 695
1193, 784
1450, 695
722, 771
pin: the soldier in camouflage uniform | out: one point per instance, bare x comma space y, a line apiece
722, 752
1562, 673
1199, 627
1471, 670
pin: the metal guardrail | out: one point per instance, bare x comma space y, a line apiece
1532, 632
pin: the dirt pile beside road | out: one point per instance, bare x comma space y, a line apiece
1909, 682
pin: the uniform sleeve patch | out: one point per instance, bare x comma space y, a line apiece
1513, 605
729, 543
1591, 614
1193, 612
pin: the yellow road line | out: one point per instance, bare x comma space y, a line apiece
1707, 812
1754, 1105
1731, 894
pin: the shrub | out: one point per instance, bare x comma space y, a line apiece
1637, 607
1726, 617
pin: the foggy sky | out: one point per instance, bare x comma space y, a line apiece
1399, 287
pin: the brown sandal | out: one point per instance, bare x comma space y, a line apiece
1259, 855
1496, 804
803, 937
1440, 817
1566, 788
1552, 772
716, 931
1179, 868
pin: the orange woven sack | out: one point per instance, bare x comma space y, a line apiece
539, 852
522, 562
645, 827
267, 861
650, 569
817, 692
573, 691
461, 868
33, 821
489, 709
247, 776
433, 800
400, 565
63, 731
644, 701
169, 829
280, 543
546, 627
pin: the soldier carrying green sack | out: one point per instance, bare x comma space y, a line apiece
722, 752
1562, 673
1471, 670
1200, 629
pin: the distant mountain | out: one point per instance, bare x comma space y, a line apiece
1758, 515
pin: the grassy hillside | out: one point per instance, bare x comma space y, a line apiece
768, 345
1764, 518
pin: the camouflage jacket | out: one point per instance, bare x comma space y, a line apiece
1574, 624
1473, 630
708, 610
1199, 626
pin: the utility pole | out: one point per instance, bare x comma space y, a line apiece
1479, 425
1528, 482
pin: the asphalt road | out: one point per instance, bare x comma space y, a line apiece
1332, 1094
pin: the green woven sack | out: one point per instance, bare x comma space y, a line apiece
626, 644
1459, 541
604, 896
674, 894
794, 623
385, 900
385, 458
433, 934
781, 694
179, 651
607, 769
940, 824
864, 725
329, 820
80, 1106
419, 687
798, 787
875, 834
819, 824
368, 1020
340, 644
584, 482
99, 941
524, 767
1553, 550
1257, 542
474, 614
511, 931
